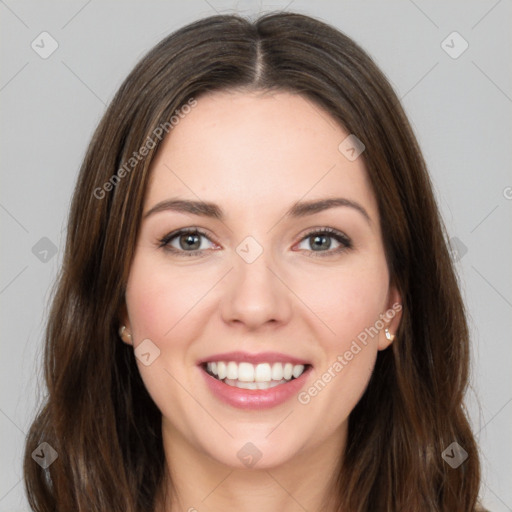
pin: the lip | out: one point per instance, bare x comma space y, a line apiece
260, 357
254, 399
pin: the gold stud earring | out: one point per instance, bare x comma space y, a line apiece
389, 336
125, 336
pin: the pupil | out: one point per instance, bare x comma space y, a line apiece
189, 241
322, 238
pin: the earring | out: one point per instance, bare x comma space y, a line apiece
389, 336
125, 336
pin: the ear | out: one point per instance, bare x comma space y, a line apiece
390, 318
125, 332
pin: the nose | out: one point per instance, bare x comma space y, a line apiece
256, 294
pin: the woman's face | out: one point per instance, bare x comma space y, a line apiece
262, 290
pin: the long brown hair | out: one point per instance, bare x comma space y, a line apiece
98, 415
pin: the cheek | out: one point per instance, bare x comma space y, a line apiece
350, 307
347, 301
158, 300
158, 297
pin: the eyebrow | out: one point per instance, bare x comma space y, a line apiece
298, 209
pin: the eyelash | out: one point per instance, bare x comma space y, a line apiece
340, 237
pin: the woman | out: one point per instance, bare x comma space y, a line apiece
257, 308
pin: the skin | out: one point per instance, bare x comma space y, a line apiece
255, 155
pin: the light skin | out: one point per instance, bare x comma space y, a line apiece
255, 155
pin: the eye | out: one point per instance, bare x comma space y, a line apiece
188, 242
320, 242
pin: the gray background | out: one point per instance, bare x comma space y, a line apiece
460, 109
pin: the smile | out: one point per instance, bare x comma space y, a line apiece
254, 376
254, 381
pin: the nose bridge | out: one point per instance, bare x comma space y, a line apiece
255, 294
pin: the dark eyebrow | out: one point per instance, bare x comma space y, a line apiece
299, 209
202, 208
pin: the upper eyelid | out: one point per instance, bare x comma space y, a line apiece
191, 230
325, 229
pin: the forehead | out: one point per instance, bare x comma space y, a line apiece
256, 150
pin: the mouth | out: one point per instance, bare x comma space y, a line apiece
248, 376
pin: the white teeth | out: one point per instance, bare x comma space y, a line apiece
253, 385
297, 370
242, 385
248, 373
245, 372
221, 370
277, 371
232, 370
263, 373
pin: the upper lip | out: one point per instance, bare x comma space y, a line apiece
260, 357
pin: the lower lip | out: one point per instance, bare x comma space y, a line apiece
255, 398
